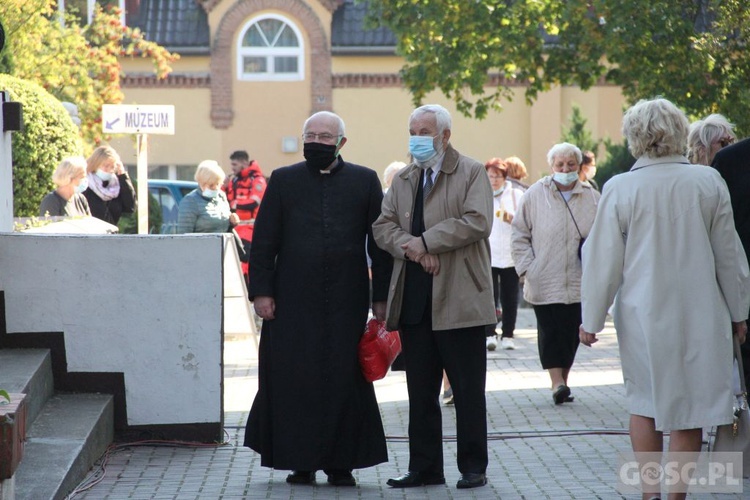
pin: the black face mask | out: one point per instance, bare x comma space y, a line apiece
319, 156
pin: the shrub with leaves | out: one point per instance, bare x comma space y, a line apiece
618, 160
48, 136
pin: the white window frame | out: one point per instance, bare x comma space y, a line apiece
90, 10
270, 53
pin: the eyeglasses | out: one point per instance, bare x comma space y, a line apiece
325, 137
726, 141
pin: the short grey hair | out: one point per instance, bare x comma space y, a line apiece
334, 116
442, 116
703, 133
655, 128
565, 150
68, 169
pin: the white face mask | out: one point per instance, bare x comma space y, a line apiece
565, 178
210, 193
590, 173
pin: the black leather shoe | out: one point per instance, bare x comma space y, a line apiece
301, 477
412, 479
341, 478
471, 480
561, 394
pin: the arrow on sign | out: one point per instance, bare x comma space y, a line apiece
109, 125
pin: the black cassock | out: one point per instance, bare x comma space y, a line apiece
314, 410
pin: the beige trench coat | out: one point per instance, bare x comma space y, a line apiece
664, 248
458, 220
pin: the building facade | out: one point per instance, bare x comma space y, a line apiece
251, 71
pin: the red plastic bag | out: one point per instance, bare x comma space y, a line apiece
378, 348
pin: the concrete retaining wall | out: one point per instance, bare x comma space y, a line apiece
147, 306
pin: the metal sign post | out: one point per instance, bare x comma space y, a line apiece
141, 120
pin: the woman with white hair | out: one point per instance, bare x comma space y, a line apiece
665, 250
206, 209
390, 171
552, 220
707, 137
67, 198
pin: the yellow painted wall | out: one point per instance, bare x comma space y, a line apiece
367, 64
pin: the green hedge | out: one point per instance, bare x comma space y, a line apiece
48, 136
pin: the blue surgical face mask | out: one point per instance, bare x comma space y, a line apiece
82, 186
565, 178
105, 176
499, 191
210, 193
422, 147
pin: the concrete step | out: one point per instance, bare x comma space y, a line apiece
69, 435
28, 371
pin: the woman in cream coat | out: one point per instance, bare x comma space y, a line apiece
664, 248
553, 217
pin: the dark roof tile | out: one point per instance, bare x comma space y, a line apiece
173, 23
348, 29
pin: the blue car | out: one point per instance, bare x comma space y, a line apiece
169, 193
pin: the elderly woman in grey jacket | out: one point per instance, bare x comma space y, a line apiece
553, 218
206, 209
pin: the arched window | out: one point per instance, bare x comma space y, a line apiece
270, 48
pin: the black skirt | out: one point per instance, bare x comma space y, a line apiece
557, 327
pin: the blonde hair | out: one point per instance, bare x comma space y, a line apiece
704, 133
209, 172
516, 168
68, 169
100, 156
655, 128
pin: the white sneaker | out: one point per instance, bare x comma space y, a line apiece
507, 343
492, 343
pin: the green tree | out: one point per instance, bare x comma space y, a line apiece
578, 134
693, 52
75, 62
618, 160
48, 136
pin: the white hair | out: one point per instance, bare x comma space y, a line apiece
442, 116
703, 133
655, 128
564, 150
392, 170
330, 115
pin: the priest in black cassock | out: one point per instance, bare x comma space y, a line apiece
309, 282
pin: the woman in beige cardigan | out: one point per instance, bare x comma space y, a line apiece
553, 218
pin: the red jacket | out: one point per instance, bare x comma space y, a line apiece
244, 193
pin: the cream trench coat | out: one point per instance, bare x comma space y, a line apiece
545, 241
664, 248
458, 220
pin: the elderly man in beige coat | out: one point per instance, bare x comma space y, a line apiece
435, 221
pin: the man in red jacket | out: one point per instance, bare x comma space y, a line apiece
244, 192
